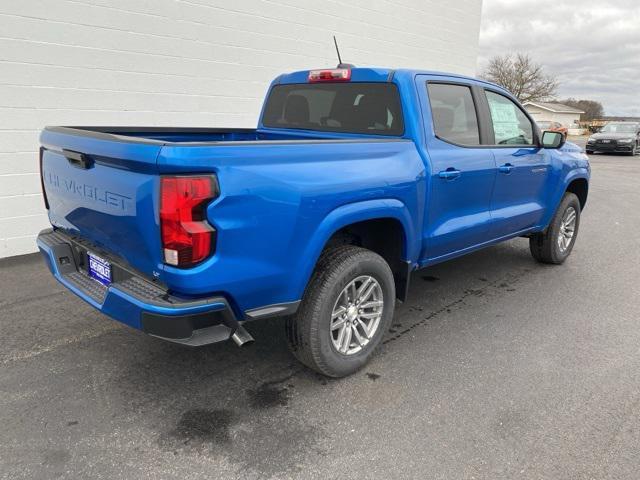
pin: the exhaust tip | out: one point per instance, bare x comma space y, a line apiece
242, 337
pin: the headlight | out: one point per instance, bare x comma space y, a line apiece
625, 140
591, 140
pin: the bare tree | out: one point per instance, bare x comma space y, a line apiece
592, 109
521, 76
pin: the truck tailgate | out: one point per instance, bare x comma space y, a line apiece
103, 190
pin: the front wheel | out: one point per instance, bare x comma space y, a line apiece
555, 244
347, 307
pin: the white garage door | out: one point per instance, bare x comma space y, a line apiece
186, 63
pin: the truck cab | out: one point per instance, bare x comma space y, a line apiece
353, 178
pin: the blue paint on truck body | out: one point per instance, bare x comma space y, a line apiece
285, 192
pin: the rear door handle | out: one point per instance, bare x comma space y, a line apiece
450, 173
506, 168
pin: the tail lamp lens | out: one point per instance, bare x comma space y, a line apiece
187, 237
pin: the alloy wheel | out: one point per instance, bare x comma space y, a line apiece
567, 229
356, 315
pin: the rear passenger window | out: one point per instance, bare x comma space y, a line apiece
454, 113
510, 125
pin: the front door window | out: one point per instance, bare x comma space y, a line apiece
510, 125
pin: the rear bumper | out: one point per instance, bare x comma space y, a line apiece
135, 300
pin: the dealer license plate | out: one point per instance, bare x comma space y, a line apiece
99, 269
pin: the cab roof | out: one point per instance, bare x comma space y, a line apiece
374, 74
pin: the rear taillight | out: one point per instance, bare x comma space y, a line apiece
331, 75
44, 193
187, 237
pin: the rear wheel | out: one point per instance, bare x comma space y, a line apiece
345, 311
555, 244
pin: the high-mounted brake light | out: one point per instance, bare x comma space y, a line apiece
332, 75
187, 237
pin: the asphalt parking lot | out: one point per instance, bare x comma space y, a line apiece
496, 368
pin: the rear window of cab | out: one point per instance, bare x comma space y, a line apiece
368, 108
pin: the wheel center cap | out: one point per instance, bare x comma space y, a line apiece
352, 312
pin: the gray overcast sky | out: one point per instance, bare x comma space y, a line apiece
592, 46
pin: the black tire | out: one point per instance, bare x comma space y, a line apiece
589, 152
544, 246
634, 151
308, 331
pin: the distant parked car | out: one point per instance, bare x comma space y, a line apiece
553, 127
619, 137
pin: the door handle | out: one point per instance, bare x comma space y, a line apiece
450, 173
77, 159
506, 168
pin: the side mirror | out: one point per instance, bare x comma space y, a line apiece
552, 139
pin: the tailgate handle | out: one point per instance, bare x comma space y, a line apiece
78, 159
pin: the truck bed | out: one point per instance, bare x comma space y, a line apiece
204, 136
102, 185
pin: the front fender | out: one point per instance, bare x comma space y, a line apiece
347, 215
574, 174
582, 173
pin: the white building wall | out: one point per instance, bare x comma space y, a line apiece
187, 63
566, 119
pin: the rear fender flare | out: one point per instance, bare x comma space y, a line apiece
347, 215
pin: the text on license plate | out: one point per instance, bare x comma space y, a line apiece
99, 269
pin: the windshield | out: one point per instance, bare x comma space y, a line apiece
371, 108
619, 128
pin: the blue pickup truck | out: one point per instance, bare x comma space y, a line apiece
354, 178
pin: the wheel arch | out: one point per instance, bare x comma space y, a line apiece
580, 187
577, 182
383, 226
